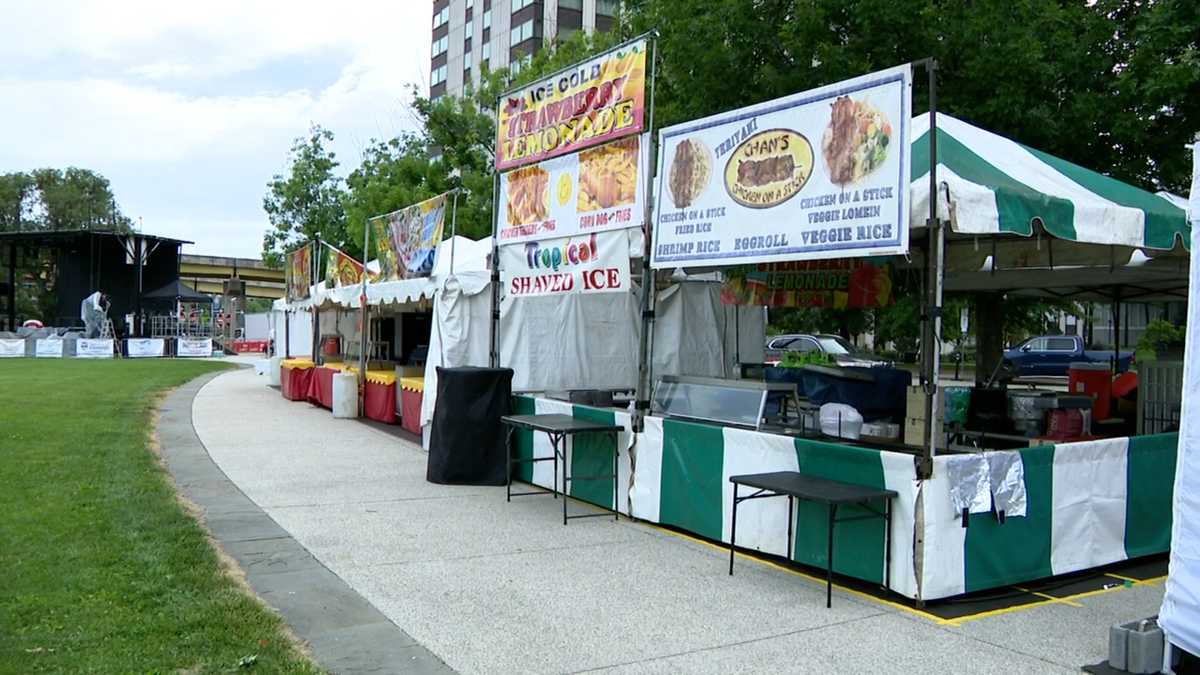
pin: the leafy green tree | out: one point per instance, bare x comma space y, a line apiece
1113, 84
57, 199
307, 201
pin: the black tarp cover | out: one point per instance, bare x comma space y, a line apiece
176, 291
466, 444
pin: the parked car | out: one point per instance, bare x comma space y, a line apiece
1054, 354
837, 348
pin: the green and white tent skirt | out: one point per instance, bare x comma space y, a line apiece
1086, 504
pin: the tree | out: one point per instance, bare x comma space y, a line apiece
307, 202
56, 199
1113, 84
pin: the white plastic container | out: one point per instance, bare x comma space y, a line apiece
841, 421
345, 395
273, 371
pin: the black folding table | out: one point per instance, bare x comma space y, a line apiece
558, 428
832, 493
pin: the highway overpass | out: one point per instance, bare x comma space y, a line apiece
205, 273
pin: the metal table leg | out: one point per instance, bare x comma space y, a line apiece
554, 447
733, 528
508, 457
561, 442
829, 561
616, 476
788, 553
887, 545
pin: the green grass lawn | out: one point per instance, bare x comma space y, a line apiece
101, 570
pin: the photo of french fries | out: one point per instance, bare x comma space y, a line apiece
528, 196
608, 175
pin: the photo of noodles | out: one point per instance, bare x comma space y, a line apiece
691, 169
855, 142
608, 175
528, 196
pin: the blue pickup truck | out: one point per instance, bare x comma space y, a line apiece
1053, 354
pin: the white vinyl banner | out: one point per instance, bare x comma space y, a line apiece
185, 347
11, 348
93, 349
595, 263
598, 189
816, 175
49, 348
144, 347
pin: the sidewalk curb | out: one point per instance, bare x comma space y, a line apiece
345, 632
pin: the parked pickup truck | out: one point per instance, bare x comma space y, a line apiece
1053, 354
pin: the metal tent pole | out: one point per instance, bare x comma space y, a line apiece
315, 267
365, 319
932, 314
642, 395
453, 227
494, 324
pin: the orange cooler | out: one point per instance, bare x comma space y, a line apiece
1094, 380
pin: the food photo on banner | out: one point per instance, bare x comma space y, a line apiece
845, 283
601, 188
406, 240
298, 273
591, 263
341, 269
819, 174
599, 100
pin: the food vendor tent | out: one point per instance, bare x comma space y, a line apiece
589, 341
1063, 230
1180, 614
993, 185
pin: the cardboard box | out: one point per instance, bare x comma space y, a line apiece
915, 404
916, 433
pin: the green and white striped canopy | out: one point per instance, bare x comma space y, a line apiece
997, 185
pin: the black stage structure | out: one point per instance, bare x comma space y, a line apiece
121, 265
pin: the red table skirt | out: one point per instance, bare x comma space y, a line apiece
320, 388
379, 402
410, 411
294, 382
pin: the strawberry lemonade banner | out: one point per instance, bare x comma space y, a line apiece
594, 263
593, 102
817, 175
846, 283
602, 188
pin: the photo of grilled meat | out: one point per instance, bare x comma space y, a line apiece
759, 172
839, 141
856, 141
691, 169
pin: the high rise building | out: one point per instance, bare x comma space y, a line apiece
468, 34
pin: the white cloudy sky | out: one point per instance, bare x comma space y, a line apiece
190, 108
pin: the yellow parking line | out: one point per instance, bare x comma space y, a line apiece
958, 621
1066, 600
955, 622
1136, 582
820, 580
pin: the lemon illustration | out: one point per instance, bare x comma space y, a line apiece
564, 189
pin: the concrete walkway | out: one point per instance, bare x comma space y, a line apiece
492, 587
